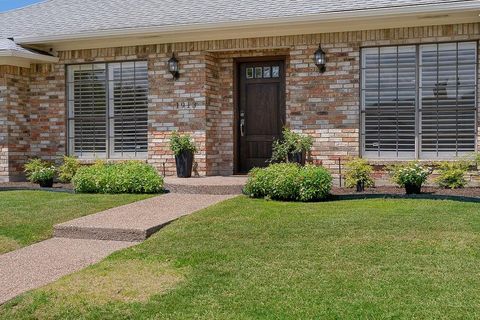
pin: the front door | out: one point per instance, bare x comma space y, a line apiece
261, 111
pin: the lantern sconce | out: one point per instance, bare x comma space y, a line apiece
173, 67
320, 59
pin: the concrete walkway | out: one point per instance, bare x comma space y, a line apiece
87, 240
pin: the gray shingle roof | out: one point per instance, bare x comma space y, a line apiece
61, 17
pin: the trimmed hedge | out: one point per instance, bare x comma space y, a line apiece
124, 177
289, 182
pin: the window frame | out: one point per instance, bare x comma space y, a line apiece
109, 153
418, 148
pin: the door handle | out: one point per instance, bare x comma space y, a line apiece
242, 127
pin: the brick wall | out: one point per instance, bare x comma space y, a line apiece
201, 102
14, 122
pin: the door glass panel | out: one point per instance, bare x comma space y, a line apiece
258, 72
249, 73
266, 72
275, 72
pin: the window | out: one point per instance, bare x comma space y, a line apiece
108, 110
419, 101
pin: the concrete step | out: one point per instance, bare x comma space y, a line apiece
231, 185
136, 221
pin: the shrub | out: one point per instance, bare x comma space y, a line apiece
180, 143
38, 171
412, 173
358, 170
289, 182
68, 169
452, 175
284, 179
290, 144
124, 177
315, 183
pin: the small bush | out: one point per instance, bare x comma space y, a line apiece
290, 144
68, 169
38, 171
315, 183
125, 177
289, 182
180, 143
412, 173
358, 170
452, 175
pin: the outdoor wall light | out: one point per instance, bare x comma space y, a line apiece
320, 59
173, 67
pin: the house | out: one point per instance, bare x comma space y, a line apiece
92, 79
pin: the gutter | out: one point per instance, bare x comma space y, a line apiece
28, 56
361, 14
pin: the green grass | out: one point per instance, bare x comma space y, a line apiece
254, 259
27, 217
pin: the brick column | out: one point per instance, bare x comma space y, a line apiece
14, 122
176, 106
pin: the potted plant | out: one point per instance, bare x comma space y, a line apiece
293, 147
359, 175
411, 176
184, 150
41, 172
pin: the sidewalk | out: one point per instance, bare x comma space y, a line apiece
87, 240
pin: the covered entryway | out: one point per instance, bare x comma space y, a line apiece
261, 110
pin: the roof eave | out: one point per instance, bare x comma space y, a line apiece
396, 12
32, 57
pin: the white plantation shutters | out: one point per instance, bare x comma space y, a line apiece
389, 100
419, 101
129, 108
87, 100
108, 110
447, 104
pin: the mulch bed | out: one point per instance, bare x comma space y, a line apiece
337, 193
60, 187
465, 192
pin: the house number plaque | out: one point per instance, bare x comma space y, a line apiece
189, 104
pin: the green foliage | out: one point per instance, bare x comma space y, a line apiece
452, 174
289, 182
358, 170
315, 183
290, 143
411, 173
68, 169
180, 143
38, 170
125, 177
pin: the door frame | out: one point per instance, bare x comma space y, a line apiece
236, 100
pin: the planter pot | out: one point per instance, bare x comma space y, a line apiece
298, 157
360, 186
413, 189
184, 162
46, 183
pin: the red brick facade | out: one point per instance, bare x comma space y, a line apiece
201, 102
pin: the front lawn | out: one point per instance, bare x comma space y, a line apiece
27, 217
255, 259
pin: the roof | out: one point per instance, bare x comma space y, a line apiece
69, 17
21, 56
8, 48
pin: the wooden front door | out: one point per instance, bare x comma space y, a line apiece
261, 111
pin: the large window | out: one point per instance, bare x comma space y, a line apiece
108, 110
419, 101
